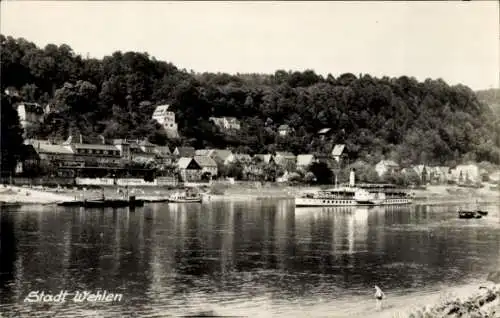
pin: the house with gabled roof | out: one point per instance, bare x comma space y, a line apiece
222, 155
386, 166
265, 158
284, 157
189, 169
207, 164
305, 160
337, 152
166, 119
184, 151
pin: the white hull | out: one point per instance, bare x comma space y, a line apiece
323, 202
303, 202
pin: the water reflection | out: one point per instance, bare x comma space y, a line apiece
168, 259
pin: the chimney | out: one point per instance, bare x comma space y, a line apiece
352, 178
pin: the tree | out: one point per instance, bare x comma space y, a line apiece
11, 137
322, 172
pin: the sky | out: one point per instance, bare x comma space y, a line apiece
455, 41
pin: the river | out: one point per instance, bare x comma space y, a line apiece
257, 258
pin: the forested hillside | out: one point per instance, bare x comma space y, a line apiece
490, 97
399, 118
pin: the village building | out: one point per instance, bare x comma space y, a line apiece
468, 173
164, 154
189, 169
226, 123
304, 161
284, 130
337, 152
265, 158
283, 158
386, 166
242, 157
323, 133
30, 114
207, 164
184, 152
166, 119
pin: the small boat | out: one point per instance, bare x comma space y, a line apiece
482, 212
462, 214
184, 197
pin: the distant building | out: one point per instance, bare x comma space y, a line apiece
386, 166
337, 152
467, 174
324, 132
242, 157
189, 169
282, 158
226, 123
305, 160
207, 164
184, 152
284, 130
30, 114
265, 158
166, 118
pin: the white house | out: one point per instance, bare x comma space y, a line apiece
30, 114
337, 152
386, 166
305, 160
166, 118
467, 173
226, 123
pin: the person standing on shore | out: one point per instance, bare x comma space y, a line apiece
379, 295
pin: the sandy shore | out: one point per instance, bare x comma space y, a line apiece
20, 195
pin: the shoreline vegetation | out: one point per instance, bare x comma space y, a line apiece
11, 194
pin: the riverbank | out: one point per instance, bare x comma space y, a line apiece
19, 195
224, 191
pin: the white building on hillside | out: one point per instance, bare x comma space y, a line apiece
166, 118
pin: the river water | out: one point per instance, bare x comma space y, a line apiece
256, 258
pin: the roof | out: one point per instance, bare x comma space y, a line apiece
205, 161
95, 146
161, 109
324, 130
120, 142
184, 162
284, 154
186, 151
222, 154
204, 152
162, 149
338, 150
242, 157
146, 143
305, 159
389, 163
55, 149
283, 127
264, 157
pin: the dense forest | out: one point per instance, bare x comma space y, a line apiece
401, 118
